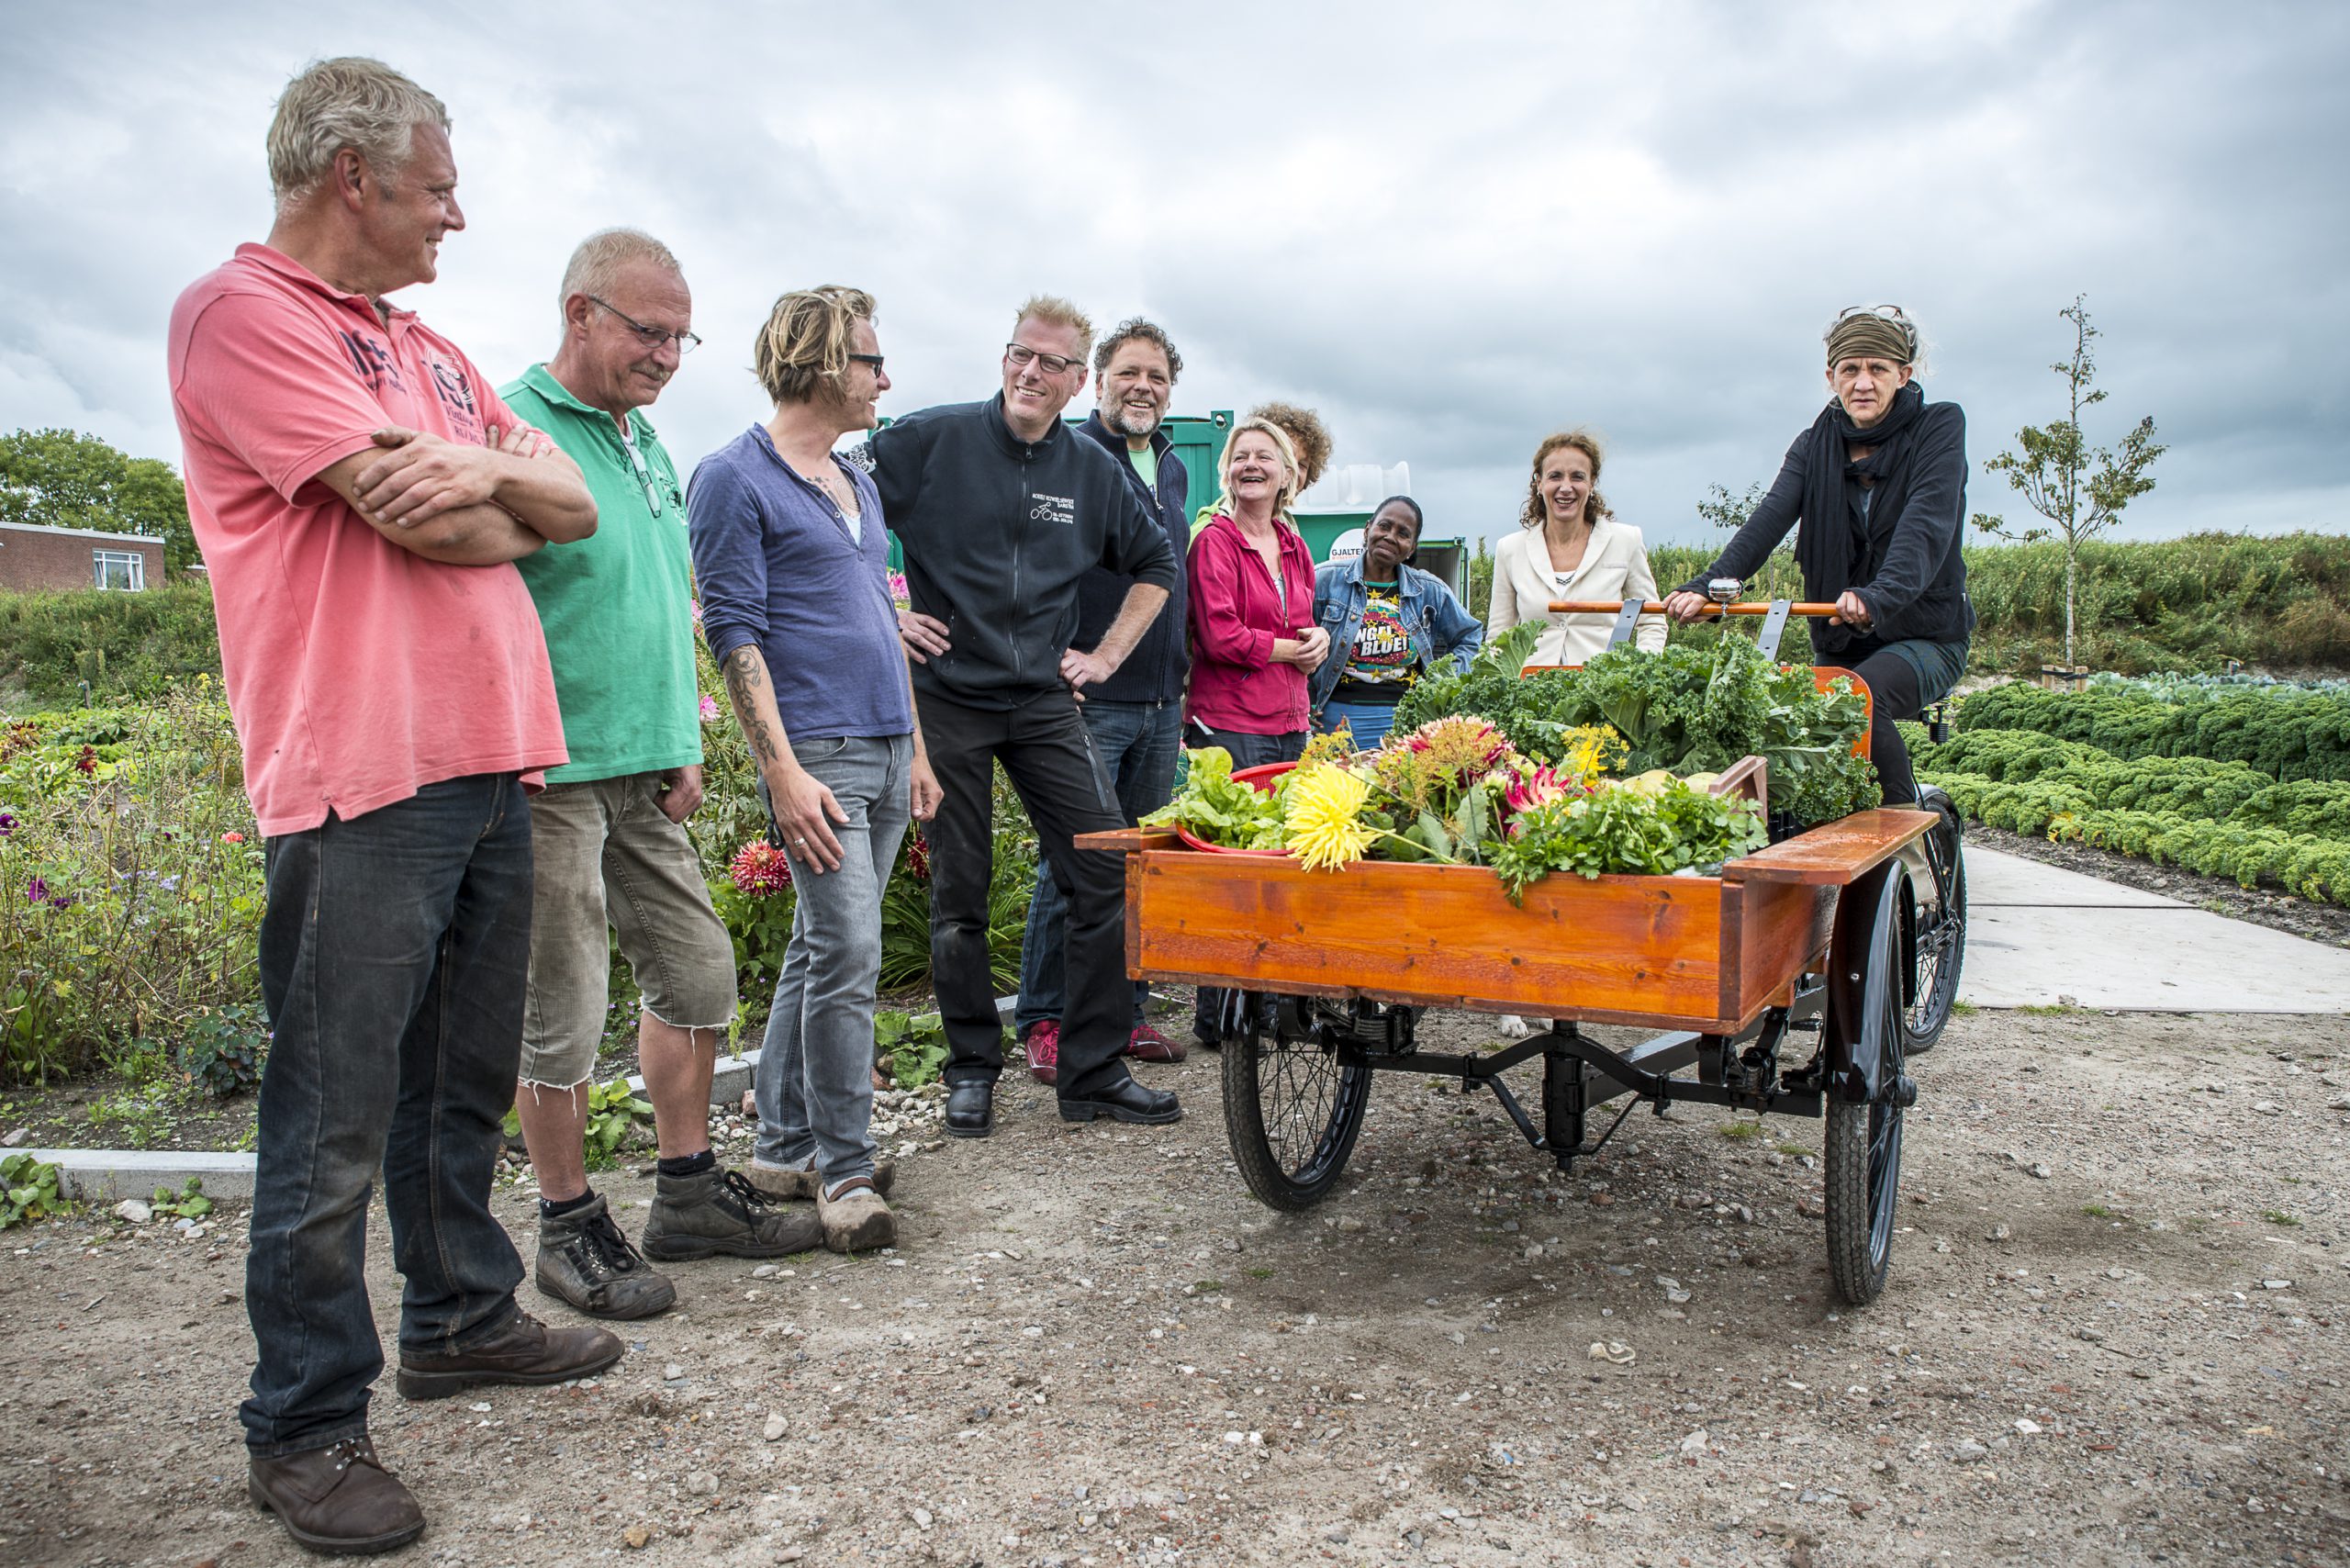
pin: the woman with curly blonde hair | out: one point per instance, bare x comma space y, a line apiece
1569, 546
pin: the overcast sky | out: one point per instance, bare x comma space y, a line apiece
1452, 230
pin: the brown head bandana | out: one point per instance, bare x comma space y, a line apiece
1865, 335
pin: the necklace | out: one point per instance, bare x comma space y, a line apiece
828, 483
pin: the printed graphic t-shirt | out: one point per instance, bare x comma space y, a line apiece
1380, 666
358, 672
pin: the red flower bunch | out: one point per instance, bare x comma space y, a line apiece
1530, 787
918, 857
760, 869
1461, 746
88, 761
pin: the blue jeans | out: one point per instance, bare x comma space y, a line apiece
1367, 722
393, 961
814, 1081
1137, 743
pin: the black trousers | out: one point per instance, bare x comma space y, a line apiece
1903, 679
1050, 755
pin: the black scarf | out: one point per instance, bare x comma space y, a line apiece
1831, 546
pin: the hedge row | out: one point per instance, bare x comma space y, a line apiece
2191, 603
2193, 787
126, 645
2175, 604
2307, 736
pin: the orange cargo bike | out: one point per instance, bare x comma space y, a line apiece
1848, 937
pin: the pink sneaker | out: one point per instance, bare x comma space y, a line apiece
1146, 1043
1044, 1044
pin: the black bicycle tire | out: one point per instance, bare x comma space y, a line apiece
1923, 1022
1864, 1190
1261, 1166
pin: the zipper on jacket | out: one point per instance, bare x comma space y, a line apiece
1019, 529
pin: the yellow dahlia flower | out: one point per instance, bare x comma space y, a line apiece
1325, 830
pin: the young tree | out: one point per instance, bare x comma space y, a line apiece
61, 478
1725, 511
2080, 491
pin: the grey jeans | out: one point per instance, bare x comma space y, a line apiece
814, 1081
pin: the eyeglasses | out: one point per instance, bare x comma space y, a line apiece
872, 359
1021, 356
651, 337
1882, 312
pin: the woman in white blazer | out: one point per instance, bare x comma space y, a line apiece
1569, 546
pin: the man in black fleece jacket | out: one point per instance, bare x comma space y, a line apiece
1002, 511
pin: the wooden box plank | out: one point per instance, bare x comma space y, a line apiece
1834, 854
1770, 931
1634, 946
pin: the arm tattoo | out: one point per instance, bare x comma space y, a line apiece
745, 672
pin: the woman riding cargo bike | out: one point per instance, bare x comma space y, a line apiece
1877, 493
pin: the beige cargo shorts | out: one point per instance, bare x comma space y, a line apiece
604, 854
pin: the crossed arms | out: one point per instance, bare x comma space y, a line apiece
466, 506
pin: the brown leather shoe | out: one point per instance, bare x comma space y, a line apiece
339, 1500
522, 1349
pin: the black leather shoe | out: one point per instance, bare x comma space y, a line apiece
1129, 1102
970, 1108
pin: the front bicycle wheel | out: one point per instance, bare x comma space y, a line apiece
1862, 1147
1941, 939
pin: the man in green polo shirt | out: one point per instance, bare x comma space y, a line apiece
609, 843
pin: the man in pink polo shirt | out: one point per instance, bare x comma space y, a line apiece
360, 495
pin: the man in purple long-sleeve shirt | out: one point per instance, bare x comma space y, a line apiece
792, 561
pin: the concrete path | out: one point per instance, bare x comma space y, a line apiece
2039, 935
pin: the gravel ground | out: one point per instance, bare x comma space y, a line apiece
2112, 1335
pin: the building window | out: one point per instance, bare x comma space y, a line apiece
120, 569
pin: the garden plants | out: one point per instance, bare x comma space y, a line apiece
28, 1189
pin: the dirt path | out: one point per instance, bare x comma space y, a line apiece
1094, 1349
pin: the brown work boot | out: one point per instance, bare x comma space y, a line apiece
521, 1349
585, 1259
788, 1182
855, 1218
717, 1211
339, 1499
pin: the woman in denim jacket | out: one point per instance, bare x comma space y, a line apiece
1389, 623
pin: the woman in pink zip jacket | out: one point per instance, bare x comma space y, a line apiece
1254, 639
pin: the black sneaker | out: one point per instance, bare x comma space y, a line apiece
584, 1259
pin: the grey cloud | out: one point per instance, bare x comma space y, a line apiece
1450, 235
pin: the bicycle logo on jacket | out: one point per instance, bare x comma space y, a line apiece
1052, 509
